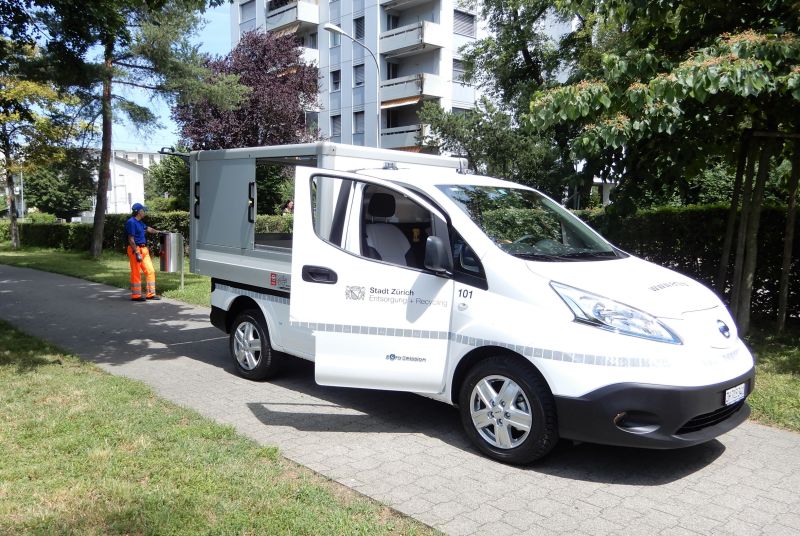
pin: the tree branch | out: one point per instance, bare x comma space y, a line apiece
141, 86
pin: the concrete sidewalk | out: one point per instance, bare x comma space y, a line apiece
407, 451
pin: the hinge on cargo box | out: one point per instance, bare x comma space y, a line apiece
172, 152
390, 165
465, 170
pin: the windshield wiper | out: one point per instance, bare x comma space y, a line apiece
539, 257
590, 255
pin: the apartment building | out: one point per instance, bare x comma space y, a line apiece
402, 53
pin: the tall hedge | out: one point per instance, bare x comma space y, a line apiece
689, 240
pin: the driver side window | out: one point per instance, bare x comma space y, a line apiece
394, 229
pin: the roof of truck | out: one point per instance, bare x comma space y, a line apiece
435, 176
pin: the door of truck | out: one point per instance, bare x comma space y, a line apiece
378, 322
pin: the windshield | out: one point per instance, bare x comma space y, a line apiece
528, 225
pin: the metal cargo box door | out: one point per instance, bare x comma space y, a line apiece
376, 324
225, 203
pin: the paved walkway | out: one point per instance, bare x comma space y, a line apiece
409, 452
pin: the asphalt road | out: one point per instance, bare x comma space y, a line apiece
410, 452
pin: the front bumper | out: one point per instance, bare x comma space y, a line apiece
653, 416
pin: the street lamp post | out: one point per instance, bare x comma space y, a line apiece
332, 28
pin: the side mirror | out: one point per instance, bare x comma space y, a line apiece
437, 258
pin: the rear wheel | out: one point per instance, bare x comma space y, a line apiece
508, 411
250, 347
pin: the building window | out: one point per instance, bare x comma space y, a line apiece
336, 80
392, 22
460, 111
247, 11
464, 23
458, 71
140, 159
312, 41
358, 75
358, 122
336, 126
392, 70
152, 159
336, 39
358, 28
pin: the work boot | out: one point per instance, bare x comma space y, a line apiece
154, 297
139, 299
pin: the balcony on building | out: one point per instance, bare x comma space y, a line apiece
413, 39
404, 137
399, 5
284, 16
412, 89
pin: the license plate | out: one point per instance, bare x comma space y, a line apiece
734, 394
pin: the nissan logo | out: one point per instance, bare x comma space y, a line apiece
724, 329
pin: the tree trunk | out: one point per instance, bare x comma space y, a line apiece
751, 244
744, 219
12, 200
104, 177
788, 239
722, 276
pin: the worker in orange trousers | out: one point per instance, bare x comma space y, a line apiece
139, 255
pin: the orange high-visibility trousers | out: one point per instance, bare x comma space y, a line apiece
136, 277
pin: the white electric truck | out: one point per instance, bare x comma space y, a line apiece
405, 273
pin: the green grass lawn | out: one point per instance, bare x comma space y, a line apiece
85, 452
776, 399
112, 269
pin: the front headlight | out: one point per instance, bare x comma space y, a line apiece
607, 314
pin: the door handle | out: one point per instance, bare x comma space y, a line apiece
319, 274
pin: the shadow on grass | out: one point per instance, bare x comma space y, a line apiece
22, 351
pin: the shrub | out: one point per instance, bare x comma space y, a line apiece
40, 217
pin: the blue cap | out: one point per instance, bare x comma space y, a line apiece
137, 207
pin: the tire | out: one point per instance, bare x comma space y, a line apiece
250, 347
498, 426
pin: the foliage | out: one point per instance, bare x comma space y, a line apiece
281, 87
145, 46
64, 185
666, 87
35, 120
494, 146
516, 59
78, 235
170, 176
41, 217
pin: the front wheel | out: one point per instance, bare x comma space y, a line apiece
508, 411
250, 347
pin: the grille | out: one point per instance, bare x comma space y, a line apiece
709, 419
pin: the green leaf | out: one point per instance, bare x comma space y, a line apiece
605, 101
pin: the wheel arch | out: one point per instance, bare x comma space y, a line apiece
239, 304
475, 356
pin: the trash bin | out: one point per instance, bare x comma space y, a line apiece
171, 252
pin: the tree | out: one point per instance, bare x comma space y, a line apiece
493, 145
34, 120
144, 45
677, 83
511, 64
63, 186
281, 87
170, 176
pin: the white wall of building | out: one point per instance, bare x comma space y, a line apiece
357, 110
